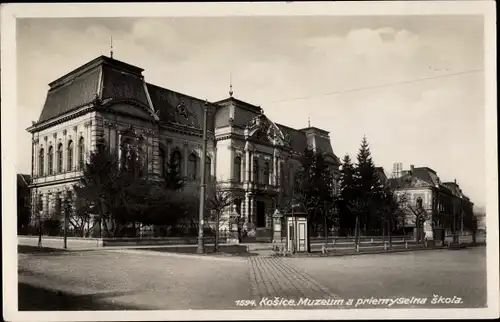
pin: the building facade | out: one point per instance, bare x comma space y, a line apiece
444, 203
105, 99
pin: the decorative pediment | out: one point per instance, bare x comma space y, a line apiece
262, 129
418, 183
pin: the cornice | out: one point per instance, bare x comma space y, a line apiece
86, 108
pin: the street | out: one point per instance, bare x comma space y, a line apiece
107, 279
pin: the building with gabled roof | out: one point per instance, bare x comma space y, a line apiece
106, 99
445, 203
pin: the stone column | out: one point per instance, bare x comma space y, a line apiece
65, 151
35, 148
251, 209
276, 167
247, 163
251, 166
156, 154
232, 156
247, 207
120, 152
242, 169
46, 157
76, 140
150, 152
87, 141
214, 162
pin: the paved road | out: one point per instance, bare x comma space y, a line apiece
138, 279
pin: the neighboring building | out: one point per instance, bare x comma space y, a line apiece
107, 99
23, 202
445, 204
480, 214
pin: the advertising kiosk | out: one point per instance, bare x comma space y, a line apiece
297, 238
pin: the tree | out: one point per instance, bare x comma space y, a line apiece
366, 182
218, 199
113, 188
389, 205
346, 185
420, 216
169, 208
314, 188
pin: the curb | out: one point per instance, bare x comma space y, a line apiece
177, 255
320, 255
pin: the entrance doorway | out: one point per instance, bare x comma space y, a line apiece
261, 214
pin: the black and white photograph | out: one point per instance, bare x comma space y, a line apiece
214, 161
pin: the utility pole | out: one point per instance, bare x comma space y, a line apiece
201, 246
66, 210
326, 223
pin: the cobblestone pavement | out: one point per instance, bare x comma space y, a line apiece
271, 277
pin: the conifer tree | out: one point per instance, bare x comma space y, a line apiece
367, 183
346, 174
346, 218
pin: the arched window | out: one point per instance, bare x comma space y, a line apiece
208, 167
81, 154
50, 157
237, 169
192, 163
266, 173
60, 158
161, 157
175, 162
255, 170
419, 203
70, 156
41, 162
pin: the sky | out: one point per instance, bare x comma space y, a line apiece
414, 85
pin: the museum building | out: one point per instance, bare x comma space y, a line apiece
247, 153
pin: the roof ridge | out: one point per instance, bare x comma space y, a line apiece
176, 92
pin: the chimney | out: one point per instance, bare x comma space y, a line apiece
412, 167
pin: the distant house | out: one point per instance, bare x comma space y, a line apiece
23, 204
445, 203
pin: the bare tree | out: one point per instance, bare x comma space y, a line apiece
219, 198
357, 206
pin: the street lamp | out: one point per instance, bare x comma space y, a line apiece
201, 246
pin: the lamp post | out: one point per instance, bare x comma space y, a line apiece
201, 246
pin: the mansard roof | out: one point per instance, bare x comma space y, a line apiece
420, 177
108, 79
296, 138
170, 104
23, 180
102, 77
